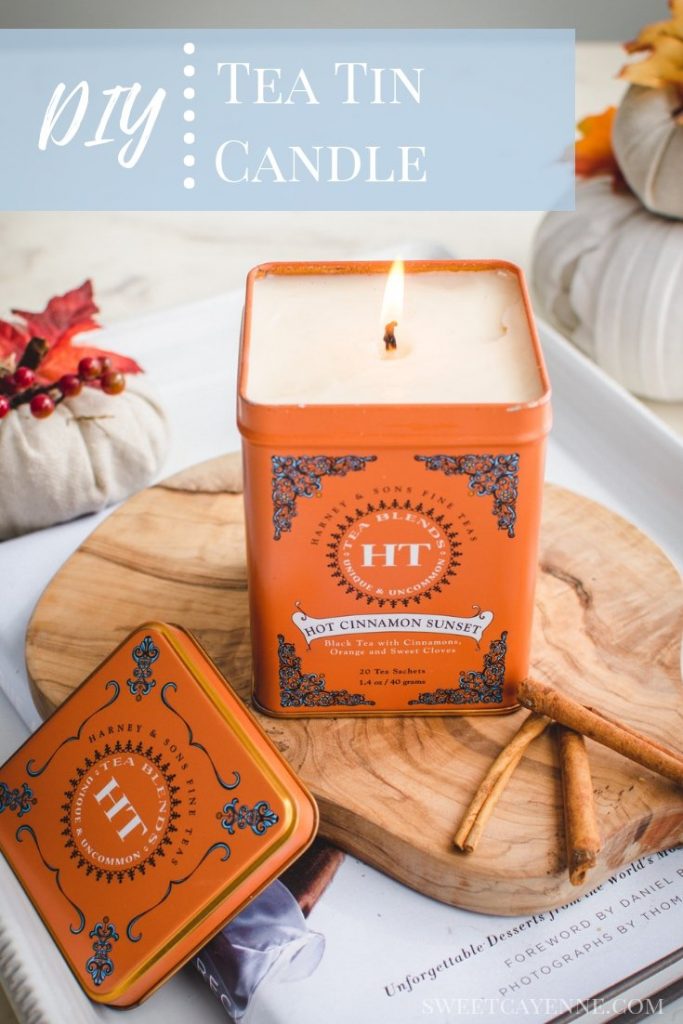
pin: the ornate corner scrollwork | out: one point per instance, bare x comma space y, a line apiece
100, 965
484, 687
258, 818
301, 477
18, 800
144, 656
494, 475
306, 689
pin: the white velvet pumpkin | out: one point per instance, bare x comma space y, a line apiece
93, 450
610, 276
648, 145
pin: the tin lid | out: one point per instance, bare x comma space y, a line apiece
146, 812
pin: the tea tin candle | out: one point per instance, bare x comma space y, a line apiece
393, 452
146, 812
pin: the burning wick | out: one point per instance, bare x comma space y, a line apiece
389, 336
392, 306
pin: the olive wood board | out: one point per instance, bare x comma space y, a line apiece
609, 610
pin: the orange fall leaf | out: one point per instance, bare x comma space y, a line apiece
662, 41
594, 155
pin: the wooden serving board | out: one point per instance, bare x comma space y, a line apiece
391, 790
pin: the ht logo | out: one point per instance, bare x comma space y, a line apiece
392, 556
120, 806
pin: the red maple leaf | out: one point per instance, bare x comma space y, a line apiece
63, 318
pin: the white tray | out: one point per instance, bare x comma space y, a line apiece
605, 444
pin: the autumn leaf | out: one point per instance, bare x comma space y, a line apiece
663, 43
64, 358
11, 339
594, 156
64, 317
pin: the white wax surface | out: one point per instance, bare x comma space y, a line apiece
462, 337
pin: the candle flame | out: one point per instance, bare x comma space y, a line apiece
392, 306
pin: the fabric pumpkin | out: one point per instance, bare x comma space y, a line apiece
610, 276
648, 145
93, 450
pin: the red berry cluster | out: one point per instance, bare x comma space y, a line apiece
21, 387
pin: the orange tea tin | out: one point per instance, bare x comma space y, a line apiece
146, 812
391, 547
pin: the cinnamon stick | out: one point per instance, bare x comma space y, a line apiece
495, 781
581, 828
635, 732
546, 700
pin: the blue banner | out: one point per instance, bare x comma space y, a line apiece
287, 119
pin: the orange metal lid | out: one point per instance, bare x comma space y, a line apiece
146, 812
